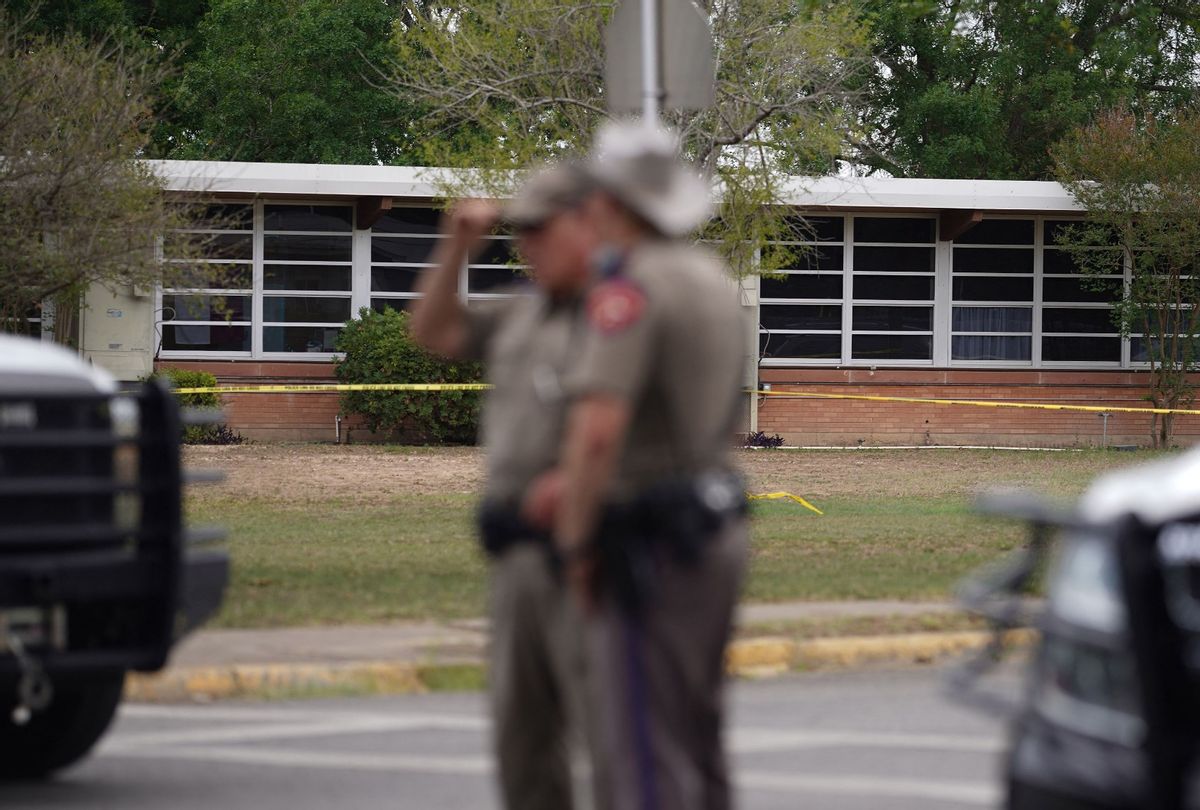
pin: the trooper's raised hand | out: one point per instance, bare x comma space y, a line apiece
468, 221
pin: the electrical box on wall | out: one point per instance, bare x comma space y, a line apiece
117, 332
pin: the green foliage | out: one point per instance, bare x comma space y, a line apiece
1139, 181
198, 434
75, 208
379, 349
509, 83
983, 88
288, 81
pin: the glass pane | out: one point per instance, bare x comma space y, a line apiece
408, 220
1063, 263
209, 246
800, 317
398, 304
208, 276
306, 277
307, 248
1139, 348
816, 229
898, 288
402, 249
206, 308
1055, 319
992, 260
991, 347
893, 229
802, 286
824, 259
892, 347
893, 319
190, 338
394, 279
1090, 349
1083, 290
1061, 229
219, 216
300, 338
893, 259
496, 251
815, 347
992, 319
998, 232
486, 279
299, 310
985, 288
308, 217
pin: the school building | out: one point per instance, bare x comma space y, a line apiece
945, 289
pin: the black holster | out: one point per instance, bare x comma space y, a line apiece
501, 526
670, 522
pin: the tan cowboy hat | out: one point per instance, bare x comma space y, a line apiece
640, 166
550, 191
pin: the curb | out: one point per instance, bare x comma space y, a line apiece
746, 658
765, 657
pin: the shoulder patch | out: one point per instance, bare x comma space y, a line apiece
615, 305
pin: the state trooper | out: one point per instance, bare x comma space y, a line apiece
528, 342
651, 517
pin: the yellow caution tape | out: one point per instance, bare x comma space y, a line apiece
976, 403
781, 496
326, 387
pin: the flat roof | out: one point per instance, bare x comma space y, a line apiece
329, 180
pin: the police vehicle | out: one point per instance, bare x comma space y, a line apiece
98, 575
1110, 715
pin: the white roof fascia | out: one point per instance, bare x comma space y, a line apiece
859, 193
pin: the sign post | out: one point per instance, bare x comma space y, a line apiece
658, 55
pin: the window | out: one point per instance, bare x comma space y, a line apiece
1077, 316
800, 315
215, 314
893, 289
992, 292
402, 242
307, 270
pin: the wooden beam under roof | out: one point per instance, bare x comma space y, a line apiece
369, 210
954, 223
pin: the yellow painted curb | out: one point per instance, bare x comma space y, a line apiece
762, 657
263, 680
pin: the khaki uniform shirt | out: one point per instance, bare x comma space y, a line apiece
527, 343
667, 334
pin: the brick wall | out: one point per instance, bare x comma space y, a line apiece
849, 423
310, 417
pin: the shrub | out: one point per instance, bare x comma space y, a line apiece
760, 439
379, 349
199, 434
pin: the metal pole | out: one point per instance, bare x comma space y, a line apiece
652, 84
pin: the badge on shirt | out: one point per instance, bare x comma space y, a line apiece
615, 305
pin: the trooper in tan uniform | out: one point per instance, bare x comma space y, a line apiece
528, 343
651, 517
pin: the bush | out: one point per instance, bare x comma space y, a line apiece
199, 434
760, 439
379, 349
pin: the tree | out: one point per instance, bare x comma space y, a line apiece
510, 82
284, 81
984, 88
76, 209
1139, 180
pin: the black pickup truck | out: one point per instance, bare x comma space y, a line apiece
98, 575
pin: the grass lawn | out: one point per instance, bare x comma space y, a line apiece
323, 535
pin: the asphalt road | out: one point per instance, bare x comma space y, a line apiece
841, 741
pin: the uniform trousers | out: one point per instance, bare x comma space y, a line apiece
656, 689
535, 681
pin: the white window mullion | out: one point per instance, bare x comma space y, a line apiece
360, 273
847, 286
1039, 266
942, 317
257, 284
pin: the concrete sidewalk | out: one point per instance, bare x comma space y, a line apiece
415, 656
